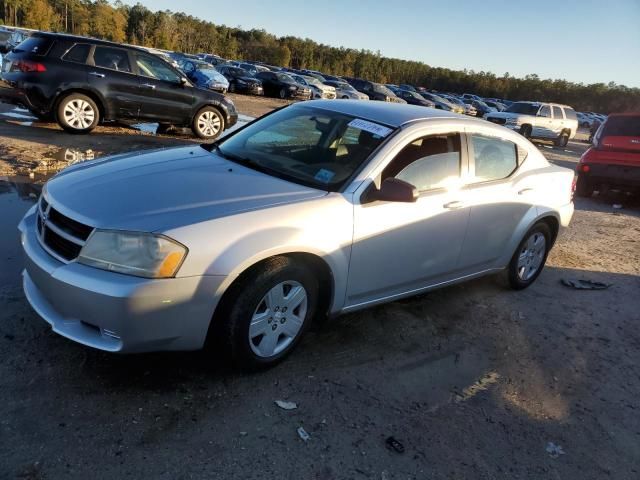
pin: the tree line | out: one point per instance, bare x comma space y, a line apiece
180, 32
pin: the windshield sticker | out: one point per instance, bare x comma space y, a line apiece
370, 127
324, 175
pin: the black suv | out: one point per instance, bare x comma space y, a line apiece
240, 80
81, 82
374, 90
277, 84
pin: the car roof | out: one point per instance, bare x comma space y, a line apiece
79, 38
388, 113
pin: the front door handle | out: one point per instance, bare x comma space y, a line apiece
149, 86
453, 205
96, 74
525, 190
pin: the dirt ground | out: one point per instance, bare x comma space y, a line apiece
476, 381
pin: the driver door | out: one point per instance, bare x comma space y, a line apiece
544, 123
162, 96
404, 247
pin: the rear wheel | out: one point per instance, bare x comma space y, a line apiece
583, 187
232, 87
267, 312
529, 259
208, 123
562, 140
77, 113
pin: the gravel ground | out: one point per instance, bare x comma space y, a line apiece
474, 380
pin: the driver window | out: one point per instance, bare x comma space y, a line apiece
149, 66
428, 163
545, 112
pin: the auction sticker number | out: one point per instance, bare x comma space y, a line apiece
370, 127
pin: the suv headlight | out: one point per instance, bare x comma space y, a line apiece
133, 253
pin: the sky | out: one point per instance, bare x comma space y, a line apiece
584, 41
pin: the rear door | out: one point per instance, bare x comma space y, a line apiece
163, 97
110, 73
499, 198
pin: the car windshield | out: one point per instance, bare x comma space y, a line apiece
4, 35
306, 145
285, 78
623, 126
523, 107
342, 85
382, 89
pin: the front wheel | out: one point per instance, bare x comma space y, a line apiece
525, 131
208, 123
529, 259
77, 113
268, 312
283, 93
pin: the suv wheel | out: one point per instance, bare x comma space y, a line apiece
525, 131
268, 313
283, 93
208, 123
77, 113
562, 140
232, 87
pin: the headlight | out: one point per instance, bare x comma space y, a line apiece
293, 88
133, 253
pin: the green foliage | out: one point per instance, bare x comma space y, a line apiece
178, 31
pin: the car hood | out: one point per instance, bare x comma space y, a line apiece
163, 189
250, 80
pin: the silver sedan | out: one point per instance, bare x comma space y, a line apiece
320, 208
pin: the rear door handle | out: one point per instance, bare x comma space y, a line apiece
525, 190
453, 205
96, 74
149, 86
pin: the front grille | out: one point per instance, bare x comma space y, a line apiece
60, 235
499, 121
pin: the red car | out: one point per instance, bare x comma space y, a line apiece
614, 159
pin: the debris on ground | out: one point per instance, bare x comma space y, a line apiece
286, 405
395, 445
579, 284
302, 433
554, 450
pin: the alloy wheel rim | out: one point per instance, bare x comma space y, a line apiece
531, 256
79, 114
209, 123
278, 319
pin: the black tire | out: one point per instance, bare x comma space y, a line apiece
562, 140
283, 93
583, 187
83, 105
515, 280
208, 123
232, 87
344, 97
244, 299
525, 131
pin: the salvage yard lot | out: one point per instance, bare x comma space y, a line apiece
474, 380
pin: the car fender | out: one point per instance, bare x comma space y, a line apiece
75, 87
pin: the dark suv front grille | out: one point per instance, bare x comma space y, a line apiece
60, 235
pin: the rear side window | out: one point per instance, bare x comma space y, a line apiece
570, 114
557, 112
112, 58
623, 126
78, 53
35, 45
494, 158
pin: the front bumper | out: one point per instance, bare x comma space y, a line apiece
115, 312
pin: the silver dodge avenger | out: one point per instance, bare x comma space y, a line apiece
320, 208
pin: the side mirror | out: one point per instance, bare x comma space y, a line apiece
393, 190
183, 81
